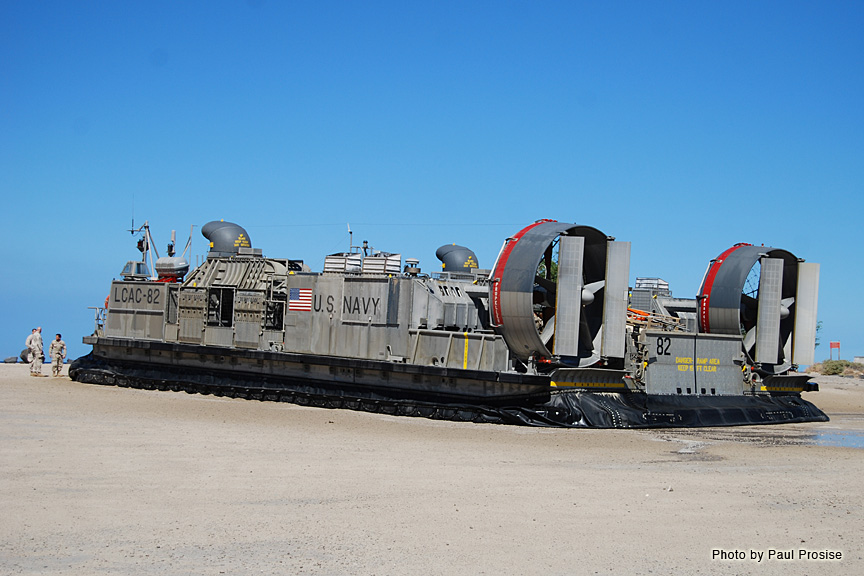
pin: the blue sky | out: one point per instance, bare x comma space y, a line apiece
682, 127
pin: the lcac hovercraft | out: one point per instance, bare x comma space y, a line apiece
552, 335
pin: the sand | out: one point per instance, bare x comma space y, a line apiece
104, 480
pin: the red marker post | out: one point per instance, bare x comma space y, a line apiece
833, 345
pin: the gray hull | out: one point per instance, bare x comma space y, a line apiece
407, 390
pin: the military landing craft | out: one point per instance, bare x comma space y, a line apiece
551, 335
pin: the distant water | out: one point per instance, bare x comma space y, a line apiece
843, 438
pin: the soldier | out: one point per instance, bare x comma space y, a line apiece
27, 344
57, 351
27, 354
35, 345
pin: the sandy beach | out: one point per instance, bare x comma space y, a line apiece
105, 480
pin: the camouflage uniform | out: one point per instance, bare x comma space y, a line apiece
27, 344
57, 351
36, 351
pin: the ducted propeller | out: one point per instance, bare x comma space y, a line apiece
767, 296
574, 278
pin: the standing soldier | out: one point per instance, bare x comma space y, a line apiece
36, 351
27, 344
57, 351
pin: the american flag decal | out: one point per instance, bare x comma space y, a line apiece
300, 299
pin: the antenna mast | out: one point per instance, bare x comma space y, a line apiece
146, 246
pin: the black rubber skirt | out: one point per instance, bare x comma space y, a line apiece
558, 408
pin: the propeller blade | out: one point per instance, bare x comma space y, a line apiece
750, 339
548, 331
548, 285
594, 287
589, 290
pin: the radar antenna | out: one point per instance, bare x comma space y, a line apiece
146, 246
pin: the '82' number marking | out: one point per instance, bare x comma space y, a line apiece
663, 345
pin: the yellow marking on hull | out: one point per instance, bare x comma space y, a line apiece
465, 355
782, 389
589, 385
